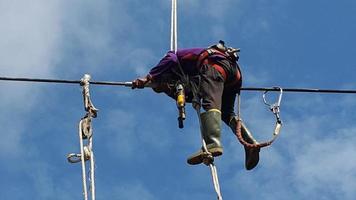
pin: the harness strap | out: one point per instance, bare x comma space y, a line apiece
205, 54
218, 67
204, 59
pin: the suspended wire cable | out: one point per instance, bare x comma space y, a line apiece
307, 90
129, 84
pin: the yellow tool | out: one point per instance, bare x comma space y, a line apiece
180, 104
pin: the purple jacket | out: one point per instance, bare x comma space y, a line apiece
187, 58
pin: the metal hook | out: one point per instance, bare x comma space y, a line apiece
275, 106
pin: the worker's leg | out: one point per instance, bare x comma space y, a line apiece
251, 154
211, 88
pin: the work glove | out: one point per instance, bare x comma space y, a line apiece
140, 82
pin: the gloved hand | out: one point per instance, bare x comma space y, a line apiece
140, 82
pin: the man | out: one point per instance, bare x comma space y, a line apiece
218, 76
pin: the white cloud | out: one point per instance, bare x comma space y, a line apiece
124, 139
27, 48
130, 135
140, 65
105, 37
130, 191
31, 32
310, 159
328, 164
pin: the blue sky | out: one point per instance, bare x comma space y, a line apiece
140, 152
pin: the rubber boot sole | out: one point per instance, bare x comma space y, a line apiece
198, 157
252, 157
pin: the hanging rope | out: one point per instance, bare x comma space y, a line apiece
174, 38
86, 133
275, 109
208, 158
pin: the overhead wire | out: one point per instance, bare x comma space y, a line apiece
129, 84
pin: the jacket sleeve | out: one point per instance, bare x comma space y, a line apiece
167, 62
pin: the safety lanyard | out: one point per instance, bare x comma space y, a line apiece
275, 109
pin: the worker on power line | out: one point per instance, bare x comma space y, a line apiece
216, 72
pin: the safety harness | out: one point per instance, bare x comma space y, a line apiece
221, 51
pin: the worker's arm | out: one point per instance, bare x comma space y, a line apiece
166, 63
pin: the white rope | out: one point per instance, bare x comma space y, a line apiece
85, 132
208, 158
92, 169
215, 177
174, 26
82, 158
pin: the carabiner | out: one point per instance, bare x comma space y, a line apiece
275, 106
76, 157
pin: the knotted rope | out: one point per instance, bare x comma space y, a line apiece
86, 133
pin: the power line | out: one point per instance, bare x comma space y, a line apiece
305, 90
40, 80
128, 84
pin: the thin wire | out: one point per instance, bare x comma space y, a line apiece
128, 84
308, 90
40, 80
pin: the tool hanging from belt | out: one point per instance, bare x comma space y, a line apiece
86, 133
275, 109
180, 94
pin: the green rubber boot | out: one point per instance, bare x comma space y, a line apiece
211, 130
252, 155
